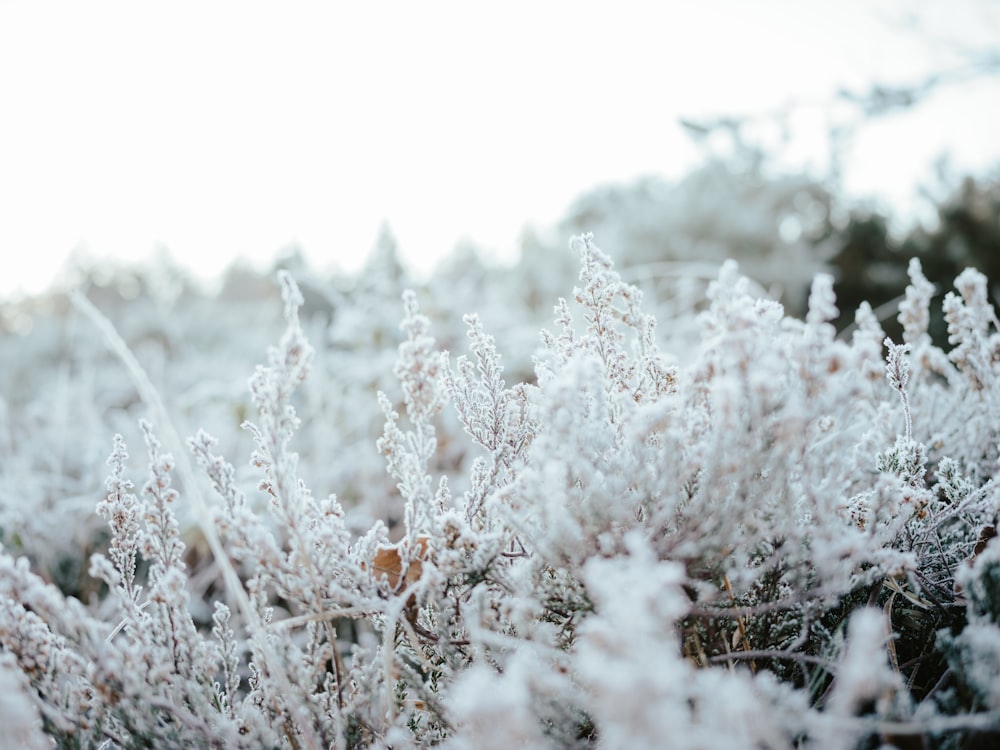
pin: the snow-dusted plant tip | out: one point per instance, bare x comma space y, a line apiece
784, 539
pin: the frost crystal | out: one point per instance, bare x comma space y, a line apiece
778, 537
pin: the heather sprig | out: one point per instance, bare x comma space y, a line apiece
121, 509
496, 417
755, 543
419, 368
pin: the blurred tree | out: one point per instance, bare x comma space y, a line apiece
776, 225
870, 263
867, 256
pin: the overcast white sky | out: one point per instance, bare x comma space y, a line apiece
225, 129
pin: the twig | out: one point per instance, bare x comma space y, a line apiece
766, 653
151, 398
330, 614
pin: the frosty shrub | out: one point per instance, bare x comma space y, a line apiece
784, 540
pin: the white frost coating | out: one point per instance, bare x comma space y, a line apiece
495, 712
642, 548
20, 722
863, 673
982, 669
822, 300
628, 658
639, 689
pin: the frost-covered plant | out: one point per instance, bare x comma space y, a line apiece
754, 546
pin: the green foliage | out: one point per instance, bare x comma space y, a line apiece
870, 262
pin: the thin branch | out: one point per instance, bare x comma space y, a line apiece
768, 653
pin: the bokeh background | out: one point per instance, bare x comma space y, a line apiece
210, 132
166, 159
